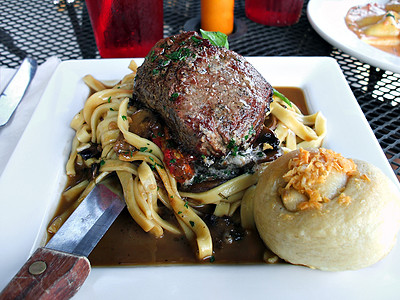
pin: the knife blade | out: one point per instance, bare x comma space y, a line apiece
59, 269
16, 88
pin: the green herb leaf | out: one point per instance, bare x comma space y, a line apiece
216, 38
174, 96
251, 130
390, 15
152, 56
124, 118
280, 95
195, 39
231, 144
180, 54
191, 223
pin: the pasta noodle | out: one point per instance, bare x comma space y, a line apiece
147, 184
296, 130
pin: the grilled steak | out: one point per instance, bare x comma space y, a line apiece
212, 99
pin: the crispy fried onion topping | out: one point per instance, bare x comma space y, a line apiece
309, 170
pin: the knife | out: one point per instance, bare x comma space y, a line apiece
59, 269
16, 88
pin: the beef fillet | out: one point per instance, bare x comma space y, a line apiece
212, 99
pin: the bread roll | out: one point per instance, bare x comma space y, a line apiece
353, 224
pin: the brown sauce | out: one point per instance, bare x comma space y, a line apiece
125, 243
296, 95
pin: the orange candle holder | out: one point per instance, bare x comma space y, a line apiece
217, 15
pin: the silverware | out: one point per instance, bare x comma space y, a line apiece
16, 88
58, 270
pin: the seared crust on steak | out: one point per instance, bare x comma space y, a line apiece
212, 99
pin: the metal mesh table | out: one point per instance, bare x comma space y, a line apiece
42, 29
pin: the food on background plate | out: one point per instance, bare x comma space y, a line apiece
118, 133
319, 209
377, 25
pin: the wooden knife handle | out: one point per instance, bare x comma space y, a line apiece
48, 274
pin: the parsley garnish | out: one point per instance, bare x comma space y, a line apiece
250, 133
195, 39
191, 223
124, 118
231, 144
180, 54
152, 56
390, 15
173, 97
186, 204
251, 130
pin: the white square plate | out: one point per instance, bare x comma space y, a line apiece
35, 176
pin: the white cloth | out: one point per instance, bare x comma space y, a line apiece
12, 131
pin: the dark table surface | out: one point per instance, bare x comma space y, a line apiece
41, 29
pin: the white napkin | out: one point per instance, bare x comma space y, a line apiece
12, 131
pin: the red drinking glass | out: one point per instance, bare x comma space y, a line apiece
126, 28
274, 12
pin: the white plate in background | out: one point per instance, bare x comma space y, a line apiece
35, 176
327, 17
